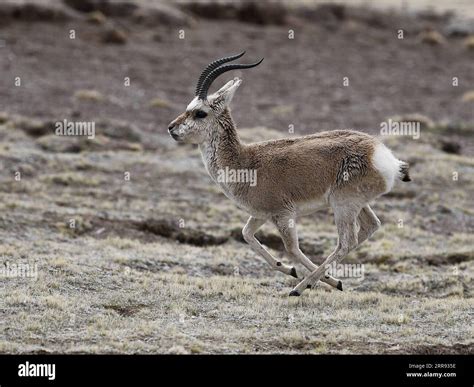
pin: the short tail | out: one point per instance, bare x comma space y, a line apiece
403, 172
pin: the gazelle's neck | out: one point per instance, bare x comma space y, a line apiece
223, 148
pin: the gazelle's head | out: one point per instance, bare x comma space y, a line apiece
203, 113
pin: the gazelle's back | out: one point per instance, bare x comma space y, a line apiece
307, 169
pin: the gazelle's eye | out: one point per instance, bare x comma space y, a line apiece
200, 114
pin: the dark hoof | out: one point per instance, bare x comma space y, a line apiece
293, 272
339, 285
294, 293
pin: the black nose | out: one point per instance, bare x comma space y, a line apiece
170, 126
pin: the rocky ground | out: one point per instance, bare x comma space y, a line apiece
138, 252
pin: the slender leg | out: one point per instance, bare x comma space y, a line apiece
368, 222
248, 232
347, 229
289, 236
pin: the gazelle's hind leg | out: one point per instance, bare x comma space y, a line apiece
346, 223
289, 236
248, 232
352, 232
368, 223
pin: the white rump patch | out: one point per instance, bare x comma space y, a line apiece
387, 164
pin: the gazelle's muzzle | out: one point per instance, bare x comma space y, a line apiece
175, 132
172, 130
173, 127
174, 135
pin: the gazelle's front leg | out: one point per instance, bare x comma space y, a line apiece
347, 230
248, 232
289, 236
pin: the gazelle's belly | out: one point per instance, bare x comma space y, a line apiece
267, 210
310, 206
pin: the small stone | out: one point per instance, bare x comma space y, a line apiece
460, 27
450, 147
114, 35
468, 96
469, 43
89, 95
431, 37
96, 17
178, 350
4, 117
159, 103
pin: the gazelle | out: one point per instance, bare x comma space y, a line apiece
341, 169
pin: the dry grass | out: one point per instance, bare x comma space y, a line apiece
106, 286
107, 302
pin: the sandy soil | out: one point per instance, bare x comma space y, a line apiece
155, 264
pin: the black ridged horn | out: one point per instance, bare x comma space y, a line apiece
213, 65
221, 70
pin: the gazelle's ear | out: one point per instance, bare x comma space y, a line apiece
225, 94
